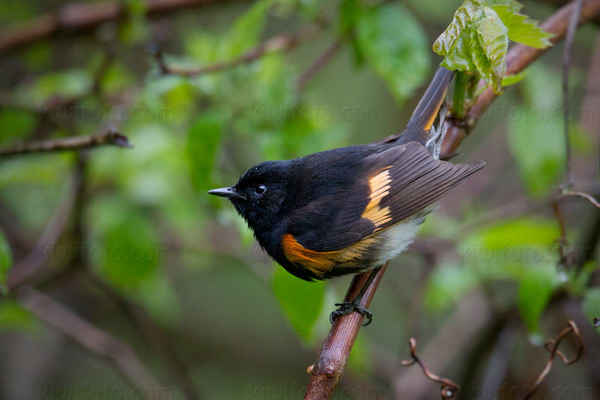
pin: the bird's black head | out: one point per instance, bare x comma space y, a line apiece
260, 194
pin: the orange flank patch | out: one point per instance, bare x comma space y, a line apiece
380, 187
321, 262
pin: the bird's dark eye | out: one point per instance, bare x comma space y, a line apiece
260, 190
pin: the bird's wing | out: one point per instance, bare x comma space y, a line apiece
390, 186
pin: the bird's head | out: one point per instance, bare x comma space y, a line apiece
260, 194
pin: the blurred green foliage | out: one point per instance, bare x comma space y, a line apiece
153, 236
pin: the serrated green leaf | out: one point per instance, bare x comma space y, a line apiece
523, 30
460, 58
477, 38
446, 43
493, 38
535, 290
300, 301
203, 141
395, 46
591, 305
482, 63
5, 262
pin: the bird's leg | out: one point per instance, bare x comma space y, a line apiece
347, 307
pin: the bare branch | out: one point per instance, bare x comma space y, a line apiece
112, 137
552, 346
277, 43
317, 65
75, 18
329, 367
24, 271
95, 340
448, 388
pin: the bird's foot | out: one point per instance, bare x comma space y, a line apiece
347, 307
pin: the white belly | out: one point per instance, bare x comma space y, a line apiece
398, 237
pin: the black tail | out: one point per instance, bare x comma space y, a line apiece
427, 110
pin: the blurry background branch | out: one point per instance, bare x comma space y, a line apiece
277, 43
75, 18
112, 137
94, 340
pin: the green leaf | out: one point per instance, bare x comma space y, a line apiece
446, 285
477, 38
350, 11
514, 78
301, 301
248, 28
5, 262
591, 305
448, 41
14, 317
537, 145
127, 249
203, 141
395, 46
14, 124
509, 249
535, 290
493, 39
521, 29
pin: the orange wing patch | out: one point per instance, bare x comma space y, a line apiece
321, 262
380, 187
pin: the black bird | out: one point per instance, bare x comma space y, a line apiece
351, 209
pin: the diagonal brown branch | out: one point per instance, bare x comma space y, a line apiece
331, 361
329, 367
94, 340
112, 137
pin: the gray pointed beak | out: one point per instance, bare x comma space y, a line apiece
228, 192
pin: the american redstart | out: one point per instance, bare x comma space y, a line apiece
350, 209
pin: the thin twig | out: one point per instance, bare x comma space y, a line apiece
95, 340
74, 18
317, 65
329, 367
277, 43
448, 388
112, 137
552, 346
25, 270
151, 333
571, 29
